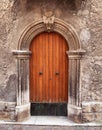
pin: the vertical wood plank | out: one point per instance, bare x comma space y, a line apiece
36, 70
61, 69
47, 71
51, 78
57, 68
66, 71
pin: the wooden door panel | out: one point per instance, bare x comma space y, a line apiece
49, 69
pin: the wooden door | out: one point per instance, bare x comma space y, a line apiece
49, 69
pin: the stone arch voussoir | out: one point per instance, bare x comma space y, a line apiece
66, 30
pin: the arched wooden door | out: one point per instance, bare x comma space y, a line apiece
49, 69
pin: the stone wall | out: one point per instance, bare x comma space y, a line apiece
92, 63
85, 16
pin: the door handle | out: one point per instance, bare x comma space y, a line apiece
40, 73
57, 73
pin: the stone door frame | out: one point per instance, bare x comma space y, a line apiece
22, 54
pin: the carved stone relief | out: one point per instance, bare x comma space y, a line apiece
49, 22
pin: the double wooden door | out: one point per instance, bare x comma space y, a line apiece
49, 69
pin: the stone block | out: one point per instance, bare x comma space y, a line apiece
74, 113
7, 106
87, 117
92, 111
22, 112
98, 117
86, 107
97, 107
91, 107
7, 116
7, 111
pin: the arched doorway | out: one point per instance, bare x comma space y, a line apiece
49, 75
74, 54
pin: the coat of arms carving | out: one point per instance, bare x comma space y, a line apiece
48, 19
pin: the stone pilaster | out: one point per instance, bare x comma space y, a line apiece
74, 101
23, 104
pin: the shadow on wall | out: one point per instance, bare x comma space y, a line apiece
22, 5
66, 4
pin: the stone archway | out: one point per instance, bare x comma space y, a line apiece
74, 54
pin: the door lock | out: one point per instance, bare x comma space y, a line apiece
40, 73
57, 73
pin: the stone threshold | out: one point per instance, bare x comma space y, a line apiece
50, 121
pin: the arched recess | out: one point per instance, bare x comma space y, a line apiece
74, 55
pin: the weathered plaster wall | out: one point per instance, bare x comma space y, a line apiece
85, 16
8, 78
91, 40
7, 65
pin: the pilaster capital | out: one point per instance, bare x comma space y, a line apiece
21, 54
75, 54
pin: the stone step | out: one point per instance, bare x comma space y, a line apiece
34, 127
49, 123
